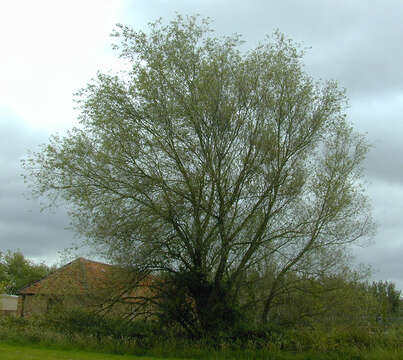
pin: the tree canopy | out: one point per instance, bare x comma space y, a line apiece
204, 162
16, 271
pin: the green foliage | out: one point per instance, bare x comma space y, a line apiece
207, 161
298, 343
89, 323
3, 286
328, 300
17, 272
389, 302
188, 296
332, 300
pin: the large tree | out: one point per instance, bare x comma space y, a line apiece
203, 161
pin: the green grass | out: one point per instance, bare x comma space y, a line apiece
39, 352
16, 352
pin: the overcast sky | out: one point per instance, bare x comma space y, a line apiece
50, 49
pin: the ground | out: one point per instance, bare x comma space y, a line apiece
17, 352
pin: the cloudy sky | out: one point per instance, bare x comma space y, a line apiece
50, 49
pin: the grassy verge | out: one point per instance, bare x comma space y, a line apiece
35, 352
30, 352
337, 343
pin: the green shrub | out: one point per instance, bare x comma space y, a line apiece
79, 330
79, 321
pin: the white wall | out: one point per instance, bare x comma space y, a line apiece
8, 302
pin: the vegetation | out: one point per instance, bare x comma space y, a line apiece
16, 271
351, 330
388, 299
14, 352
203, 169
333, 301
333, 317
370, 342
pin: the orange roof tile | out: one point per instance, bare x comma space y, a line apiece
79, 276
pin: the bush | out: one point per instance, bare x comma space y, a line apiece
79, 321
77, 329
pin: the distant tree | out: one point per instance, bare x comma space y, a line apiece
388, 298
201, 162
16, 271
3, 286
327, 299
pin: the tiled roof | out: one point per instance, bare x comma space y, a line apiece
81, 276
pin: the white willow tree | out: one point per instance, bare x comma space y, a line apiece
205, 161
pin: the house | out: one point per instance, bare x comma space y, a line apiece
8, 304
82, 282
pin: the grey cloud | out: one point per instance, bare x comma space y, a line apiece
385, 160
22, 225
356, 42
386, 263
15, 140
388, 210
385, 254
380, 118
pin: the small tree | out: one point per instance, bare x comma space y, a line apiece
3, 287
341, 298
202, 161
17, 272
388, 298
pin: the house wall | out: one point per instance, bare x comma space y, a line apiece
33, 305
29, 305
8, 304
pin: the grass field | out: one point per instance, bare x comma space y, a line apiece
15, 352
32, 352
